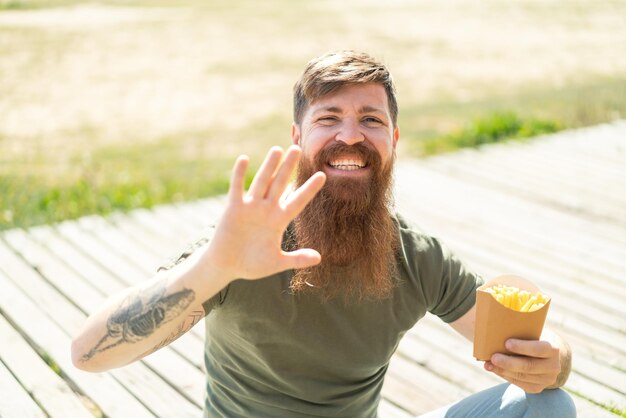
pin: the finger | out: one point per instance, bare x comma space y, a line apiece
302, 258
513, 363
303, 195
539, 349
283, 175
237, 178
529, 382
263, 177
523, 364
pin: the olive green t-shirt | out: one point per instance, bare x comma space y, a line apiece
272, 354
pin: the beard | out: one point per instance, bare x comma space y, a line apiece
349, 223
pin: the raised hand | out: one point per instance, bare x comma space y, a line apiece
247, 240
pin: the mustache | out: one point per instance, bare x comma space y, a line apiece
369, 155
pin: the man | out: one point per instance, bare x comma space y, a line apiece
307, 294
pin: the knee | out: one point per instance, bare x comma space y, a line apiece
551, 403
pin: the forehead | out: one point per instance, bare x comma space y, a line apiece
353, 96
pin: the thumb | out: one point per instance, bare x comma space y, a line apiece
305, 257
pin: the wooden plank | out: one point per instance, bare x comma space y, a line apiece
440, 185
531, 192
418, 184
46, 335
593, 154
437, 358
531, 170
54, 271
505, 195
548, 237
388, 410
155, 240
587, 409
162, 399
100, 278
554, 158
596, 391
172, 232
15, 401
146, 237
213, 207
120, 244
168, 365
195, 215
157, 395
50, 391
178, 218
100, 254
601, 373
417, 389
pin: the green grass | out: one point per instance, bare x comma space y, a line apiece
113, 178
34, 4
448, 125
494, 128
51, 363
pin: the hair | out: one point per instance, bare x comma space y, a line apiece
330, 72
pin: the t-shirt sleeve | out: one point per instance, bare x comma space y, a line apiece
202, 240
451, 287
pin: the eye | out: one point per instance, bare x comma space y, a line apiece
327, 120
372, 121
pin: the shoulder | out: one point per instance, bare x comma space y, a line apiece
415, 238
421, 254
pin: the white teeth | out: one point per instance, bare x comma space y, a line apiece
347, 165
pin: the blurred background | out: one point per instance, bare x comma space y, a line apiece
114, 105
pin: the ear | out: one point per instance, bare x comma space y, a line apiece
396, 137
295, 134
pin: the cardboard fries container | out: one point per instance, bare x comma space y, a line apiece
495, 323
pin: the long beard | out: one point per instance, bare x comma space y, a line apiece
349, 223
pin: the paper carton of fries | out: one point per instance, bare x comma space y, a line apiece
507, 307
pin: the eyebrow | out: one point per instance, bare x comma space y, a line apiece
335, 109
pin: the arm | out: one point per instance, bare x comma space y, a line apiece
246, 244
537, 365
146, 317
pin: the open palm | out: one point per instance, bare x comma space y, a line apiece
247, 240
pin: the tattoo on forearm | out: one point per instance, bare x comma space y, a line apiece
140, 315
193, 318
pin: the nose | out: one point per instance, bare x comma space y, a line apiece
350, 133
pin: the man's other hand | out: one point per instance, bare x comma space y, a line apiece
534, 367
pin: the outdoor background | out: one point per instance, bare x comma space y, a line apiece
121, 104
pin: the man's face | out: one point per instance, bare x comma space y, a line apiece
350, 136
355, 114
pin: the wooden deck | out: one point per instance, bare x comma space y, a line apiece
552, 210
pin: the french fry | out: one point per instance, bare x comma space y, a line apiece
516, 299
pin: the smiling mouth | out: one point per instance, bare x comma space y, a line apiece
347, 164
